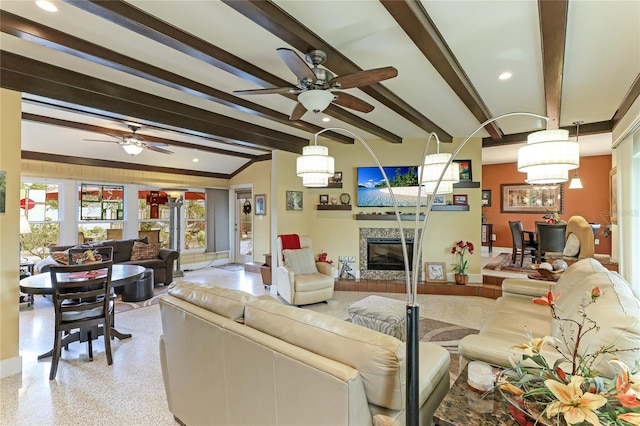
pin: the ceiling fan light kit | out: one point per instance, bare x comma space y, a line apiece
132, 149
315, 100
548, 157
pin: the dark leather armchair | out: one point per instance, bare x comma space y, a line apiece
551, 238
521, 245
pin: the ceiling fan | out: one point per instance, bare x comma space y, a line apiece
317, 87
134, 144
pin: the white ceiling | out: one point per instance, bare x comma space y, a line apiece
601, 65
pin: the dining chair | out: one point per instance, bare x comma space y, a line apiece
551, 238
79, 256
81, 301
521, 245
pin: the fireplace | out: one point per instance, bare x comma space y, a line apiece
385, 254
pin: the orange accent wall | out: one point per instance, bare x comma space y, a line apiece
591, 202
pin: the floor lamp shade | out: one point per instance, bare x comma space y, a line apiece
25, 228
315, 166
548, 156
432, 169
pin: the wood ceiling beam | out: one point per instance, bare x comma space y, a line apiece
30, 76
93, 162
98, 129
416, 23
629, 99
134, 19
275, 20
62, 42
553, 31
585, 129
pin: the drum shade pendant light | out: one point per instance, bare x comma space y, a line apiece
548, 157
315, 166
576, 183
432, 172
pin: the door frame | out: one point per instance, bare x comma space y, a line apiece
233, 190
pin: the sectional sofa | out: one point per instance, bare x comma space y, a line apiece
616, 312
229, 358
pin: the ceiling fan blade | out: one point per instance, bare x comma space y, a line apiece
275, 90
99, 140
298, 112
363, 78
156, 149
296, 64
349, 101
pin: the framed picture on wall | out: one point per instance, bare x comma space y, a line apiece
261, 205
525, 198
486, 198
294, 200
465, 170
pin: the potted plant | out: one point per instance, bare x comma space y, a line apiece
460, 268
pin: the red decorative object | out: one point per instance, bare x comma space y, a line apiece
27, 203
322, 257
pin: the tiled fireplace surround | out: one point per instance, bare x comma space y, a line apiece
393, 281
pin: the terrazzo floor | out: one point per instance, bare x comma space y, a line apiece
131, 392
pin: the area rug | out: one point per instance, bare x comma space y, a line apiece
446, 335
502, 262
129, 306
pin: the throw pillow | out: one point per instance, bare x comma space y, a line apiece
301, 261
142, 251
572, 246
62, 257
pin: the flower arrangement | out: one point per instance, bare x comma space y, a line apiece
322, 257
570, 391
552, 217
460, 248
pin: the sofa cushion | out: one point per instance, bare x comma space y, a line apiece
124, 249
301, 261
142, 251
61, 257
379, 358
222, 301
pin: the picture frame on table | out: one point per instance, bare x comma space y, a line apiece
466, 174
526, 198
324, 199
486, 198
261, 205
294, 200
460, 200
436, 272
439, 200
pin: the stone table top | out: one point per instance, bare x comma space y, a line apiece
464, 406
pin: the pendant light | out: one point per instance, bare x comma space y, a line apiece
575, 182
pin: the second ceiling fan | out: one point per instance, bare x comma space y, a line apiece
318, 87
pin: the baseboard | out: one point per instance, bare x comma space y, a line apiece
11, 366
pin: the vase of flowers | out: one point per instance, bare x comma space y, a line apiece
552, 217
460, 268
569, 390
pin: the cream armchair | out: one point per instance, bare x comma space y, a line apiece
312, 286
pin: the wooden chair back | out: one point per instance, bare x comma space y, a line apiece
81, 300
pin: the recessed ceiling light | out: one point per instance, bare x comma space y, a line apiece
46, 5
505, 76
325, 119
195, 160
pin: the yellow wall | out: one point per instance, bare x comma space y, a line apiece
10, 116
258, 175
337, 232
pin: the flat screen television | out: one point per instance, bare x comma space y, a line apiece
373, 192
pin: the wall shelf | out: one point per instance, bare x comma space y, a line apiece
467, 185
334, 207
385, 216
329, 186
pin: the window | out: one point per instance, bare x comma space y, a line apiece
101, 212
153, 216
39, 203
195, 236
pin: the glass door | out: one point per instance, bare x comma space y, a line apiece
243, 229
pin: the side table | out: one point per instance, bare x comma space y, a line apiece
465, 407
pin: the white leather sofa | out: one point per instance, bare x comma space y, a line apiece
304, 288
229, 358
616, 312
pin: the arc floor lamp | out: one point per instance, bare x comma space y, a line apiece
547, 158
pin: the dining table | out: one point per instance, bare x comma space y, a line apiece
121, 275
